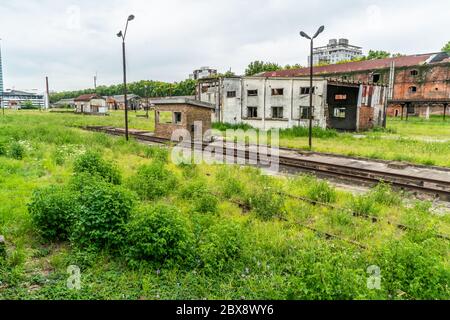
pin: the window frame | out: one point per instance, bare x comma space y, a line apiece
231, 94
339, 116
252, 95
412, 89
175, 114
249, 114
305, 90
277, 108
277, 91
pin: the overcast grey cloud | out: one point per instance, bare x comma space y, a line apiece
71, 40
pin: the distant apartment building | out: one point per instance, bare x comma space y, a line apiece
203, 72
336, 51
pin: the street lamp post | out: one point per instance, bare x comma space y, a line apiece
311, 73
123, 35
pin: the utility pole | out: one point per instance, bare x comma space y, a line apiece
47, 94
311, 74
95, 81
123, 35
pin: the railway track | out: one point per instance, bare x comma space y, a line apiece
421, 185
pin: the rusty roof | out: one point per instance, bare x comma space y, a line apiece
403, 61
88, 97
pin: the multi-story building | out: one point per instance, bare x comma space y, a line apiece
18, 99
335, 51
417, 84
203, 72
267, 103
1, 72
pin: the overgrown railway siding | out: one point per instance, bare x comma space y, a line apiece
420, 180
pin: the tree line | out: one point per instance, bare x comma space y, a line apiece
143, 88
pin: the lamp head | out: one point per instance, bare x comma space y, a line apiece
120, 35
130, 17
304, 35
321, 29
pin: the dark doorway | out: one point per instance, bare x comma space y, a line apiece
342, 106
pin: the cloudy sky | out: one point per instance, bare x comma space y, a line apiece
72, 40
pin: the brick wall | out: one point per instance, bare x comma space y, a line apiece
189, 115
365, 118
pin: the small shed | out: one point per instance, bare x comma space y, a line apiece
90, 104
181, 113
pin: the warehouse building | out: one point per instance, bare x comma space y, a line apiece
418, 84
272, 102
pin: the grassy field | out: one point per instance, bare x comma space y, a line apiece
416, 140
140, 227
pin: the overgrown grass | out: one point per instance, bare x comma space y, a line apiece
222, 232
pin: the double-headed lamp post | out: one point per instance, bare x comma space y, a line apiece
123, 35
311, 73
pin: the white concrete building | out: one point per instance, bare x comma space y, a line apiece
335, 51
268, 102
203, 72
90, 104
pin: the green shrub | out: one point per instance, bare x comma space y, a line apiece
223, 126
229, 185
412, 271
317, 132
152, 181
16, 150
189, 170
266, 202
221, 244
158, 234
53, 210
206, 203
104, 211
321, 191
364, 205
194, 189
3, 149
384, 194
93, 164
157, 153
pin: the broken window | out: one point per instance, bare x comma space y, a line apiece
340, 97
252, 112
412, 89
177, 117
277, 112
277, 92
252, 93
339, 112
376, 77
414, 73
304, 112
231, 94
165, 117
306, 90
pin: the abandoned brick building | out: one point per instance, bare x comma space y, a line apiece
181, 113
418, 84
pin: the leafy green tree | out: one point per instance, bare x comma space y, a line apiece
378, 54
294, 66
446, 48
260, 66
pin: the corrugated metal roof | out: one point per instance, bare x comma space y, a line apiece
404, 61
88, 97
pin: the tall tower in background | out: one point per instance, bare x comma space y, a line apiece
1, 71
